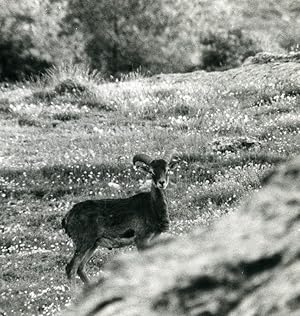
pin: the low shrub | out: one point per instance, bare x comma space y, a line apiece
66, 116
25, 120
226, 49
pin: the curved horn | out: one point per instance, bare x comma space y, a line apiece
143, 158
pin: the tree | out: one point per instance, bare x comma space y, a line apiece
123, 35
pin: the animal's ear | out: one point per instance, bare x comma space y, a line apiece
174, 161
143, 167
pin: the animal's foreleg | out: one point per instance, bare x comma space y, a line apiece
144, 243
81, 269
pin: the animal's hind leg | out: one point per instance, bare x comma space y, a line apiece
81, 269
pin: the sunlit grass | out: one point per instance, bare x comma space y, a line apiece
60, 147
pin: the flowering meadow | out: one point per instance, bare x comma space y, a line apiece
71, 136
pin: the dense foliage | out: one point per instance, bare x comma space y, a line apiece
226, 49
156, 36
123, 36
32, 37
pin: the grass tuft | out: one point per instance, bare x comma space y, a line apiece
46, 95
67, 71
25, 120
66, 116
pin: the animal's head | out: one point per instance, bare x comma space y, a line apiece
158, 168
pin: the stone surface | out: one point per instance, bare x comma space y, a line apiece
224, 144
264, 58
245, 264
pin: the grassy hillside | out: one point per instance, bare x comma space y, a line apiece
72, 136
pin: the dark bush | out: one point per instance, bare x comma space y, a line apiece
226, 49
16, 61
290, 44
31, 38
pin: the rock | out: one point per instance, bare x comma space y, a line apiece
114, 185
264, 58
247, 263
5, 106
234, 144
70, 86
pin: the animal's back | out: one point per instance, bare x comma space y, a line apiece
101, 217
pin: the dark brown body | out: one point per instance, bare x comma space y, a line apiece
115, 223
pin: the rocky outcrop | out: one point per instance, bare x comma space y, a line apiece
245, 264
264, 58
233, 144
70, 86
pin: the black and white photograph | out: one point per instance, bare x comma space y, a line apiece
149, 158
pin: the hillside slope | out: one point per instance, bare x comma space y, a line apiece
72, 137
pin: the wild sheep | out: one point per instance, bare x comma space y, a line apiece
115, 223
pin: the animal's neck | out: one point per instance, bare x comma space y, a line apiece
158, 196
159, 207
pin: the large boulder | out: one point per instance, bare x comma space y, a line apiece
247, 263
